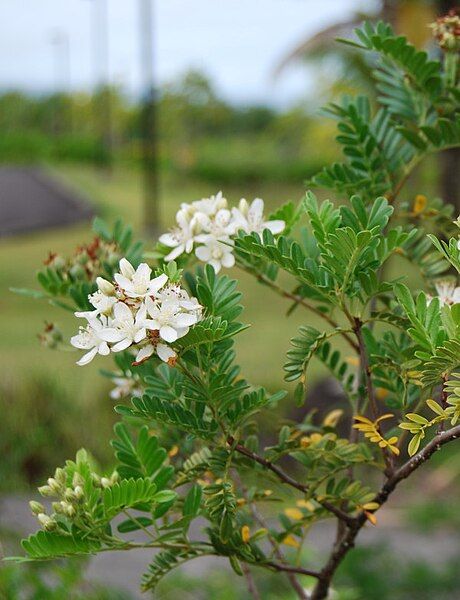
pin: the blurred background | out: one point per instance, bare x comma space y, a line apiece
127, 109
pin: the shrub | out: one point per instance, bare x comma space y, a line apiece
196, 454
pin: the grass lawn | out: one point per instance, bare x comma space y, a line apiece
261, 349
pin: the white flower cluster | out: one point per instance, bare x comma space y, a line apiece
136, 310
447, 292
208, 226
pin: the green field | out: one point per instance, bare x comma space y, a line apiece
261, 348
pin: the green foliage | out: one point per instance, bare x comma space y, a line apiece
198, 419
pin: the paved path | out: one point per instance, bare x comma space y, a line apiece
31, 200
123, 569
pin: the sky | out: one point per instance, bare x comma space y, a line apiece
238, 43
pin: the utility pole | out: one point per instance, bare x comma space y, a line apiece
101, 95
61, 56
148, 121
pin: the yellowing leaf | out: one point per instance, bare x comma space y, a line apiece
290, 540
294, 513
331, 418
245, 534
371, 517
306, 504
420, 203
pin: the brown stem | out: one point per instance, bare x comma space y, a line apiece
285, 478
365, 368
299, 300
289, 569
296, 586
252, 588
347, 542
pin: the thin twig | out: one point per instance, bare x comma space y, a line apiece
295, 584
252, 588
299, 300
285, 478
348, 540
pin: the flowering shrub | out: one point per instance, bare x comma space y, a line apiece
172, 331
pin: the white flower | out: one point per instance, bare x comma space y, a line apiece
167, 318
206, 206
221, 225
102, 303
447, 292
163, 351
105, 286
94, 337
250, 218
216, 252
130, 329
137, 283
182, 237
181, 296
125, 386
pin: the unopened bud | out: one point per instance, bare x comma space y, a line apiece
79, 493
45, 490
105, 286
96, 479
57, 507
70, 495
46, 522
105, 482
77, 479
54, 485
60, 476
36, 507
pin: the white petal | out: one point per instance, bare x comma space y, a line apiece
144, 353
77, 342
140, 335
143, 271
165, 352
169, 334
203, 253
181, 331
123, 312
275, 227
110, 334
87, 314
103, 349
126, 343
185, 320
228, 260
256, 210
157, 283
126, 268
215, 264
87, 358
168, 239
175, 253
123, 281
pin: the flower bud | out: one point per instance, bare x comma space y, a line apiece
105, 286
77, 479
96, 479
46, 522
105, 482
57, 507
60, 476
45, 490
79, 493
36, 507
70, 495
54, 485
243, 206
70, 511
